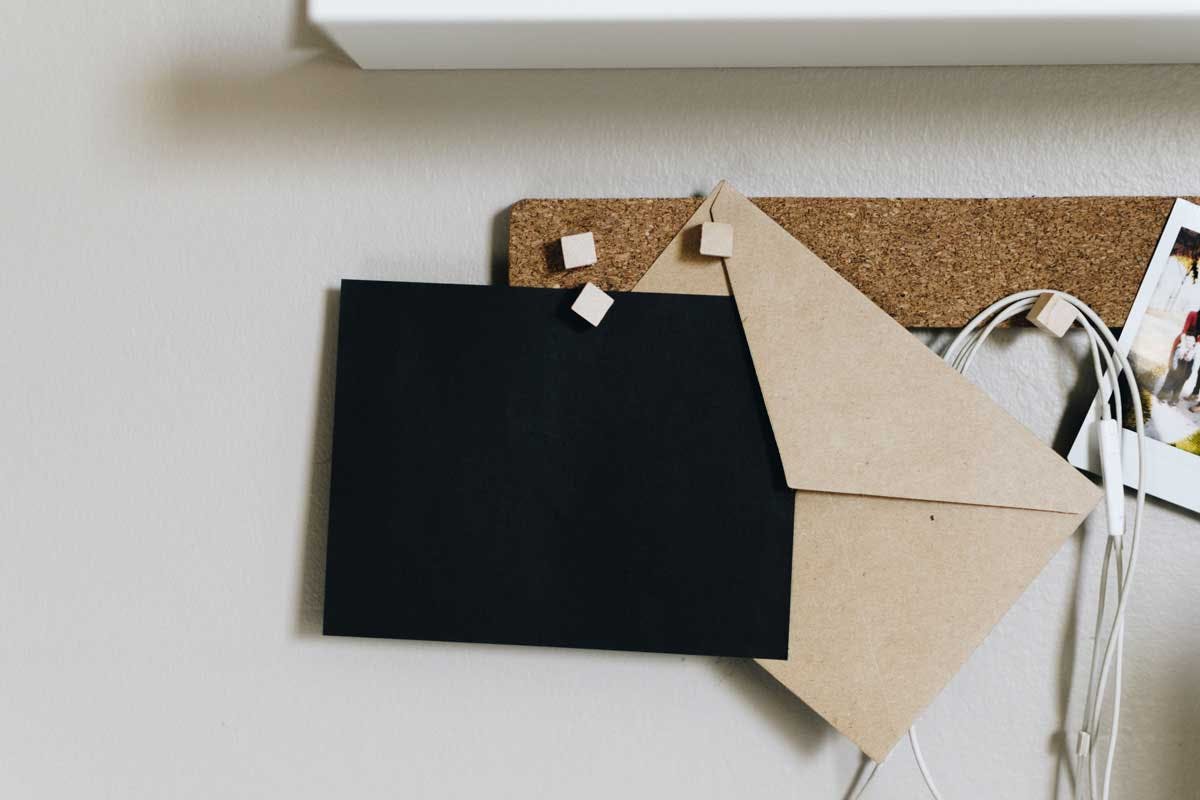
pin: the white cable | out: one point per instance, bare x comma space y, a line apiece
1116, 712
961, 353
1110, 365
1081, 760
1114, 647
862, 790
916, 748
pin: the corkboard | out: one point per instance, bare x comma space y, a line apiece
928, 263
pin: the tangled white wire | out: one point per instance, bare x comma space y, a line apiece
1110, 364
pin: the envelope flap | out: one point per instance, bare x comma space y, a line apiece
886, 610
860, 406
680, 269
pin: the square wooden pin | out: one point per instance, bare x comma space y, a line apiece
579, 250
716, 239
592, 304
1052, 314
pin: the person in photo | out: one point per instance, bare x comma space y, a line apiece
1183, 356
1181, 362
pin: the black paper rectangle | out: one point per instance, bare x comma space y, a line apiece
504, 472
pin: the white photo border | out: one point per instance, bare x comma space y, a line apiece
1172, 474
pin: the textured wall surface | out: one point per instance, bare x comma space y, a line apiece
183, 184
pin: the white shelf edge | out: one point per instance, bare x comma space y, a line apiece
460, 34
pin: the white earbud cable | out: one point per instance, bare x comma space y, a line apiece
1110, 365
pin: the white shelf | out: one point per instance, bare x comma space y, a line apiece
472, 34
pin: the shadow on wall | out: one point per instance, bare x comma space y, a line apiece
311, 602
791, 718
915, 125
1182, 743
795, 722
303, 35
321, 93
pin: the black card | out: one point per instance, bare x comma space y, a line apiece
504, 472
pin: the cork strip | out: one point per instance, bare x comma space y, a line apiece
930, 263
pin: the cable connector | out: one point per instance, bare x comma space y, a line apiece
1083, 745
1110, 469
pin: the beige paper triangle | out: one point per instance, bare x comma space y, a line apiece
680, 269
890, 597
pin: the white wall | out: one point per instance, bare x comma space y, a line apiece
183, 184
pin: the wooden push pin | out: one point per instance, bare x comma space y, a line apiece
1052, 314
579, 250
592, 304
716, 239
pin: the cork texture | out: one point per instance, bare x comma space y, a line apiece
930, 263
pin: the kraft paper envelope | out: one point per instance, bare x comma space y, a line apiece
923, 510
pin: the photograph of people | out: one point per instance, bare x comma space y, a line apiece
1166, 351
